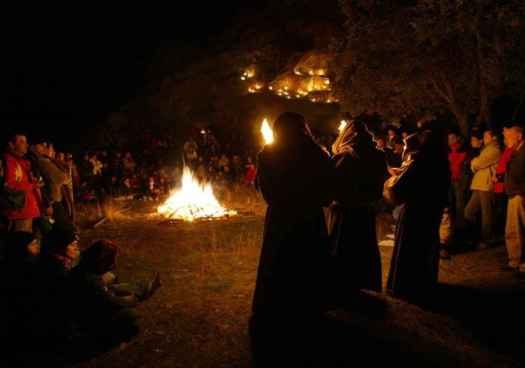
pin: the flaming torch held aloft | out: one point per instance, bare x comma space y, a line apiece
342, 125
267, 132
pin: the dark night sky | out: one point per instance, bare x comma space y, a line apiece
77, 67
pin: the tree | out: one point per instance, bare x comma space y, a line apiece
407, 56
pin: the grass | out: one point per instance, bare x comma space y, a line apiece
199, 317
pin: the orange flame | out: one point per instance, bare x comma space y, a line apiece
267, 132
193, 201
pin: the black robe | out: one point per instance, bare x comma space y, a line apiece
293, 180
422, 190
360, 174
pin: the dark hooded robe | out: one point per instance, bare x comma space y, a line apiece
421, 188
293, 176
360, 171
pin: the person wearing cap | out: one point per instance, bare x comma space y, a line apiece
60, 250
482, 200
515, 188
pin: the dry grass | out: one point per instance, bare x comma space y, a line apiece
199, 318
208, 274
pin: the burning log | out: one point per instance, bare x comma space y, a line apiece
193, 201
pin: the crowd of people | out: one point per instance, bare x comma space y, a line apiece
444, 191
41, 263
55, 292
320, 245
211, 164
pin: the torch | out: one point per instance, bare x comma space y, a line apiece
342, 125
267, 132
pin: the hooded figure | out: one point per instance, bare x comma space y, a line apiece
421, 188
293, 176
360, 171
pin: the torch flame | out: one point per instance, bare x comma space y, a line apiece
343, 125
193, 201
267, 132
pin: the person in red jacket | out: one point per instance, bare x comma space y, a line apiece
457, 157
18, 177
251, 173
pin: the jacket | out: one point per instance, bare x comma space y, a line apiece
18, 177
484, 167
515, 174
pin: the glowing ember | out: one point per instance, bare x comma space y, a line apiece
267, 132
193, 201
343, 125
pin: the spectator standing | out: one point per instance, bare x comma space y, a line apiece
250, 174
499, 184
20, 186
392, 137
128, 164
56, 178
482, 200
457, 158
515, 188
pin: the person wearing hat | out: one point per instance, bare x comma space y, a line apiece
61, 251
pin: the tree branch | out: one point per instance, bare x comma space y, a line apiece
440, 91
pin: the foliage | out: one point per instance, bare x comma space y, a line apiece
438, 54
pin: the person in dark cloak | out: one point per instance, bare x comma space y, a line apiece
293, 176
421, 189
360, 171
20, 276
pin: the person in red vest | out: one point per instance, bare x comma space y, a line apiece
18, 179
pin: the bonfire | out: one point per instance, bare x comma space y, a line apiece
193, 201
